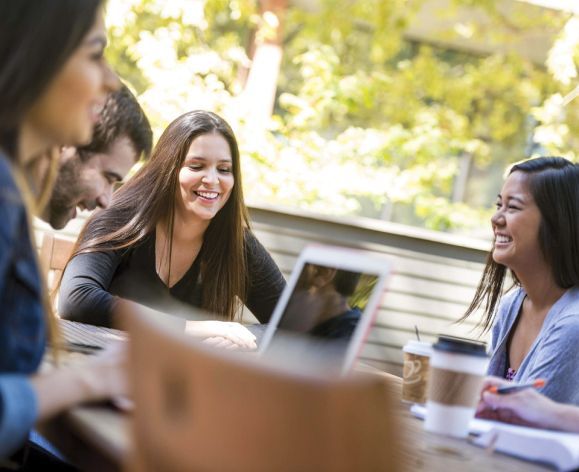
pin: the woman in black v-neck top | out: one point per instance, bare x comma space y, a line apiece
176, 232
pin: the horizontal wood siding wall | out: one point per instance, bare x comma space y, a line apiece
432, 284
433, 281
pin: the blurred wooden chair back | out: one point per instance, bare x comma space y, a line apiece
54, 254
200, 409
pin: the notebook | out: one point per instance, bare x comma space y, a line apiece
326, 310
538, 445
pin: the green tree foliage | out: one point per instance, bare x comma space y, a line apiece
367, 121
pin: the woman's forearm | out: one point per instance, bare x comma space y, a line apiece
564, 417
84, 294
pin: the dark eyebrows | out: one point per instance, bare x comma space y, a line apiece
111, 175
96, 41
201, 158
518, 199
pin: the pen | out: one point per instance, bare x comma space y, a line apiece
517, 387
80, 347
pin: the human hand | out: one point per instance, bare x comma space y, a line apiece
222, 343
222, 334
483, 410
107, 371
98, 377
527, 407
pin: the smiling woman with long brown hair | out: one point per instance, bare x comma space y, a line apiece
178, 230
535, 328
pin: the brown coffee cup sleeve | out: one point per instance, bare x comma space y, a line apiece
454, 388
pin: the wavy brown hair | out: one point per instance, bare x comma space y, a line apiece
554, 185
149, 198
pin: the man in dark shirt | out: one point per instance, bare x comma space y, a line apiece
87, 175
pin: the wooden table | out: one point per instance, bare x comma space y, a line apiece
435, 453
97, 437
93, 437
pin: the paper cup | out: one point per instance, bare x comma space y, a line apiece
457, 370
416, 371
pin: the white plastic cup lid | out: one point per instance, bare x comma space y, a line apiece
421, 348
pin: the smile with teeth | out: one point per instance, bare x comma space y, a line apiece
207, 195
502, 239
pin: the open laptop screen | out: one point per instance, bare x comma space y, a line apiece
327, 302
326, 310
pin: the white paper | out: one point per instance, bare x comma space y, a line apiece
554, 447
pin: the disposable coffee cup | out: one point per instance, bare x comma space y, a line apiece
416, 371
457, 370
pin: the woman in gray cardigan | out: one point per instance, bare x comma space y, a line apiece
535, 330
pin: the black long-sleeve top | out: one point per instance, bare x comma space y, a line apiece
92, 281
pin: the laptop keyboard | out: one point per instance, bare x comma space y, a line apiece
258, 330
87, 338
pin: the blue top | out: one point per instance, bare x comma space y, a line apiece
341, 326
22, 328
554, 354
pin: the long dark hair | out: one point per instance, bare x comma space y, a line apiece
36, 39
149, 198
554, 185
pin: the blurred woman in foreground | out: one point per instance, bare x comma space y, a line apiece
53, 82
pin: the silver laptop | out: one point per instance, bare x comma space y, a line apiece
326, 310
321, 319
